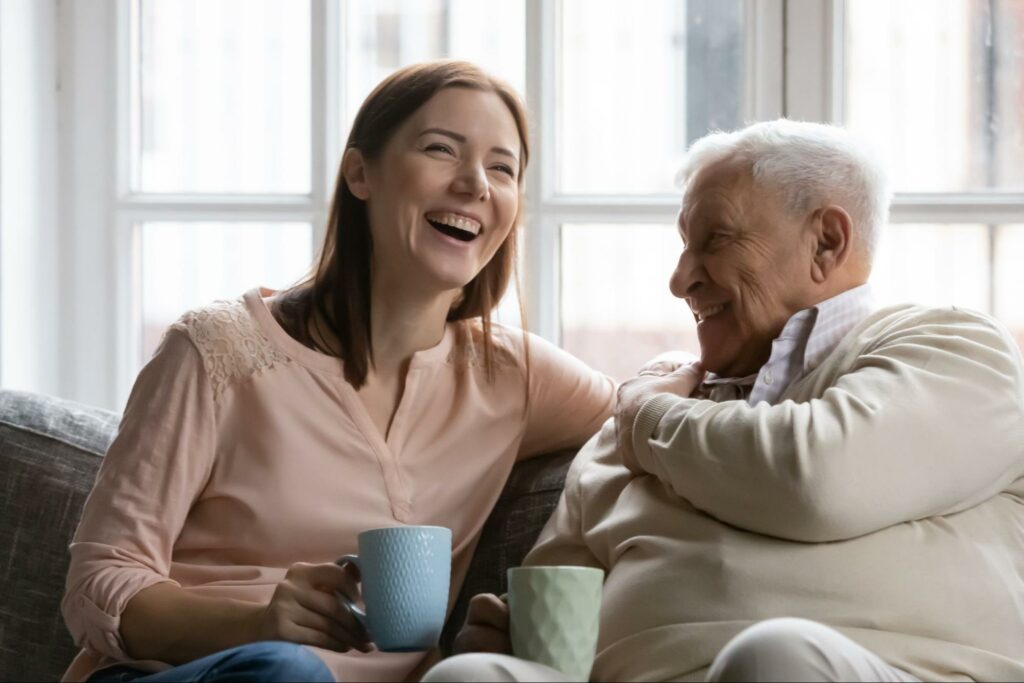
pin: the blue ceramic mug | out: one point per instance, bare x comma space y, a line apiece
406, 572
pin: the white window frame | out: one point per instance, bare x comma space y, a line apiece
789, 42
101, 248
815, 60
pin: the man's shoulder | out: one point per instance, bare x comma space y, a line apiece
902, 319
908, 314
914, 333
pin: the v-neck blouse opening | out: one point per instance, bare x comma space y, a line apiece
321, 362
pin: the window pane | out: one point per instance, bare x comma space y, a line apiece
617, 311
185, 265
939, 86
1009, 255
937, 265
388, 34
225, 96
637, 82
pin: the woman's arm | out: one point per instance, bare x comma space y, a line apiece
568, 400
150, 477
169, 624
120, 600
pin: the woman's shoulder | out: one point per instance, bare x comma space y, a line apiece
508, 345
229, 341
511, 347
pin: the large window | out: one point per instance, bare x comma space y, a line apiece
224, 112
938, 87
230, 118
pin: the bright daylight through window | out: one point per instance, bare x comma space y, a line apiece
246, 103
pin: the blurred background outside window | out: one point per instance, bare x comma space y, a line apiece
222, 106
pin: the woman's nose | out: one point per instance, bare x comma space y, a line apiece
471, 181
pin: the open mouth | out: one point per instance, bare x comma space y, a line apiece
455, 226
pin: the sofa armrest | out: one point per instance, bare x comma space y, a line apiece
50, 450
525, 504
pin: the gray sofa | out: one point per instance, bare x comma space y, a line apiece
50, 450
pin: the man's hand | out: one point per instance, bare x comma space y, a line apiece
668, 362
486, 628
652, 380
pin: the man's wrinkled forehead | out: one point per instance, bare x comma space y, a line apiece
727, 180
729, 174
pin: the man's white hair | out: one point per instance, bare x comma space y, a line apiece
808, 165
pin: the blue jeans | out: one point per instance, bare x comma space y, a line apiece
256, 662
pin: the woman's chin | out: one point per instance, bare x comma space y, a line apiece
443, 281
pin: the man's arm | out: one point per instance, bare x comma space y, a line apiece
562, 540
930, 422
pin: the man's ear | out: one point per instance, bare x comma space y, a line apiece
833, 229
353, 169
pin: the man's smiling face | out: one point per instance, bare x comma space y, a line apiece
745, 268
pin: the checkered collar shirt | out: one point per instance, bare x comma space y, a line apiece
808, 337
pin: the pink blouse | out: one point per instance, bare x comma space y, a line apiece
241, 452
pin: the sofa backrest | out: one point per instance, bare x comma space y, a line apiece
50, 451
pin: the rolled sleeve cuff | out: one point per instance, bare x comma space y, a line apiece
645, 424
99, 630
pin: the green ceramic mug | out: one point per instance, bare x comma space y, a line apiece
553, 616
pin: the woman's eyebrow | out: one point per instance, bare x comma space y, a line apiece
462, 139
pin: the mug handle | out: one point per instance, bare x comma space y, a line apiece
359, 614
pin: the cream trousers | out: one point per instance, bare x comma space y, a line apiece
773, 650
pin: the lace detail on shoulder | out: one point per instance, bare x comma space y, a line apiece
230, 343
468, 350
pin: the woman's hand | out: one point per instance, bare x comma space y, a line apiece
486, 628
306, 610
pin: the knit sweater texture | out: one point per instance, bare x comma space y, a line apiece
880, 496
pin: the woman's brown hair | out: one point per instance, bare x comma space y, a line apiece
337, 291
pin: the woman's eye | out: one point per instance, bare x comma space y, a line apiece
503, 168
440, 147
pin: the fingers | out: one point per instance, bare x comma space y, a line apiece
341, 627
486, 609
315, 590
487, 628
327, 577
667, 362
329, 612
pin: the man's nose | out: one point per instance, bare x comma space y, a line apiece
688, 276
471, 181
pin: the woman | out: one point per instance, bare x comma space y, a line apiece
268, 431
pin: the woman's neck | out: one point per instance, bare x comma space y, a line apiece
404, 321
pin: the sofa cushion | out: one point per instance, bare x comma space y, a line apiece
49, 453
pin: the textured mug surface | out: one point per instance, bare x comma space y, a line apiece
406, 573
553, 616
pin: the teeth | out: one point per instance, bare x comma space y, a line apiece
710, 311
456, 221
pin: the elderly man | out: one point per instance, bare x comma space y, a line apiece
833, 492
